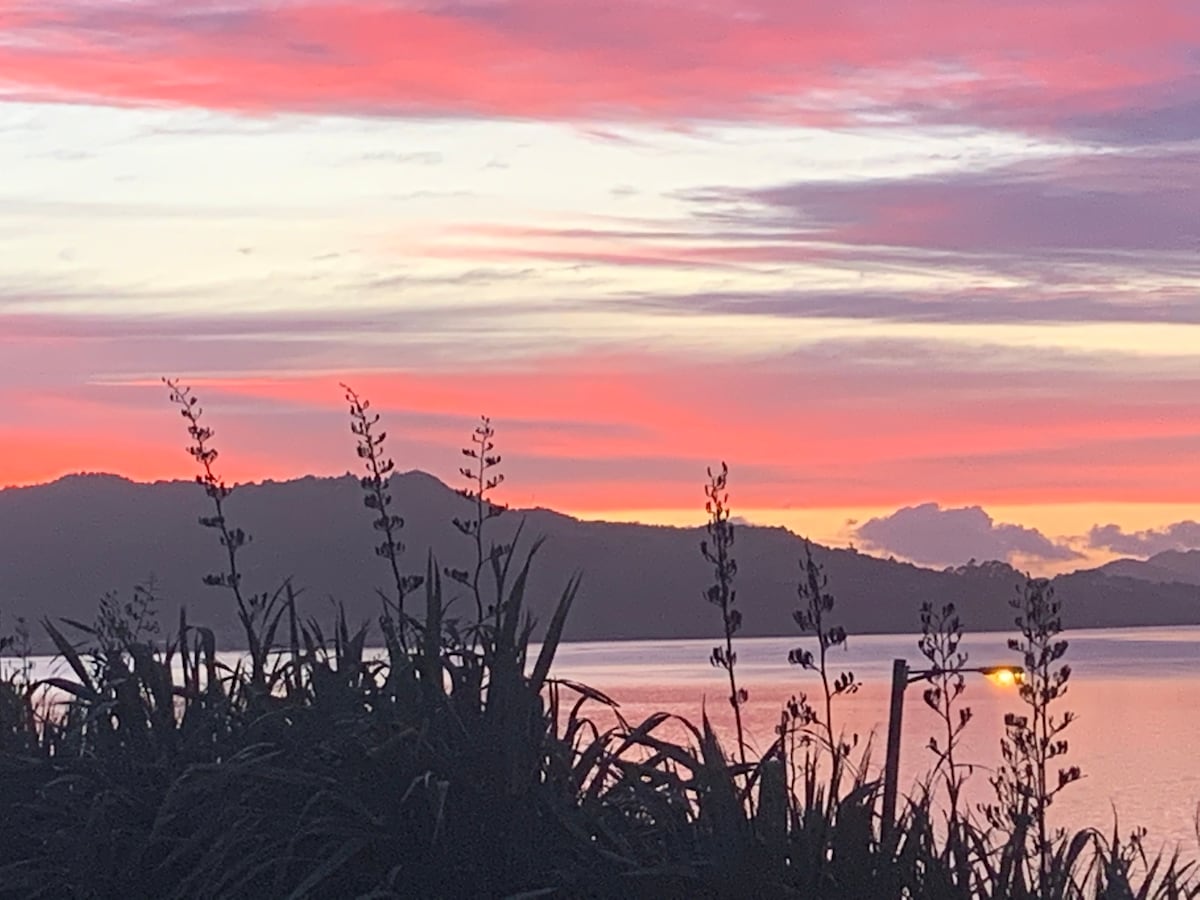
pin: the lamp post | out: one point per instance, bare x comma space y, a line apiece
902, 677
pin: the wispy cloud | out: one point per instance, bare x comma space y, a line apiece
1088, 203
941, 306
1073, 236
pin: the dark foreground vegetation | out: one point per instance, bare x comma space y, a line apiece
454, 764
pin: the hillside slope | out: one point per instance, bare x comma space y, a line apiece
67, 543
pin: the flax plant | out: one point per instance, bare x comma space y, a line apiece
812, 617
482, 479
1025, 786
258, 613
375, 485
941, 645
717, 549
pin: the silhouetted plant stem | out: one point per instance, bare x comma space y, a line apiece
817, 602
1023, 789
232, 539
941, 636
717, 549
482, 481
377, 499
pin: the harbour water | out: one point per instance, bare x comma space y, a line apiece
1135, 693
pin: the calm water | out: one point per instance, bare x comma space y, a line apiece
1136, 693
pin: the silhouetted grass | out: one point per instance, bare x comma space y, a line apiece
452, 764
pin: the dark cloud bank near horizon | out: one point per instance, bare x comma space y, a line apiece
932, 535
1183, 535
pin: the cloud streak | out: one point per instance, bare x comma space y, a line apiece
1077, 236
1130, 202
948, 307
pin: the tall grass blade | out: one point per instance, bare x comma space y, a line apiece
554, 633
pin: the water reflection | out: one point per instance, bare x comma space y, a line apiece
1134, 691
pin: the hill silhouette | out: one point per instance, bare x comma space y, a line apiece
1179, 566
67, 543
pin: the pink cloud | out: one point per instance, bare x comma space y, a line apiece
1030, 65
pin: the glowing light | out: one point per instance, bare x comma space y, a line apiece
1005, 677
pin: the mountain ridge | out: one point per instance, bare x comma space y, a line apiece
1164, 567
64, 544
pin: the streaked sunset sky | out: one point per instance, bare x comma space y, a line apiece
924, 273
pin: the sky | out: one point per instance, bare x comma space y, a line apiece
924, 274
